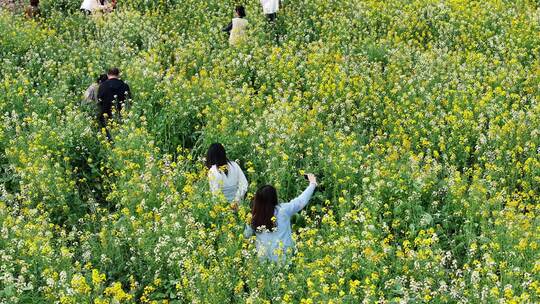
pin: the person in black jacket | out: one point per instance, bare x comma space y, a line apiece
112, 92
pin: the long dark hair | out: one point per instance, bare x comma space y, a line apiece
262, 209
216, 155
241, 11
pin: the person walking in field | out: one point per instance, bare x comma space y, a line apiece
112, 92
110, 5
91, 94
32, 11
270, 9
90, 7
225, 176
271, 221
237, 27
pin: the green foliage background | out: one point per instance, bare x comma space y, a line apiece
421, 119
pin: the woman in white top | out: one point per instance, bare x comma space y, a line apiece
270, 8
271, 222
225, 176
237, 27
93, 6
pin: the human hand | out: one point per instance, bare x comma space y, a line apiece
311, 178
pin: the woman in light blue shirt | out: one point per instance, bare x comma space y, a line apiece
271, 222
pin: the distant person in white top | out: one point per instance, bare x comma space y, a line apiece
237, 27
94, 6
271, 222
225, 176
270, 9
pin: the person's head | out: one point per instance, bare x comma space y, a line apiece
262, 209
216, 156
34, 2
102, 78
240, 11
113, 73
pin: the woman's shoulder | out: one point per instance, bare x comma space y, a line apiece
238, 20
233, 164
213, 171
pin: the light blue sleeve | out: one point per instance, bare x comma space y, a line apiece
298, 203
248, 231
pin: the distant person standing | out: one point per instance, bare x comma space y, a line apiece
111, 92
92, 6
237, 27
110, 5
270, 9
91, 94
32, 11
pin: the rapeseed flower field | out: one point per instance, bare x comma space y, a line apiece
421, 119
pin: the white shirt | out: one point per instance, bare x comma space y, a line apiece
233, 185
91, 5
270, 6
273, 245
238, 31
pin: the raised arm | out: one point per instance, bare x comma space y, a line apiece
301, 201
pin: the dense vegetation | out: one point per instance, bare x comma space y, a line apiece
421, 119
